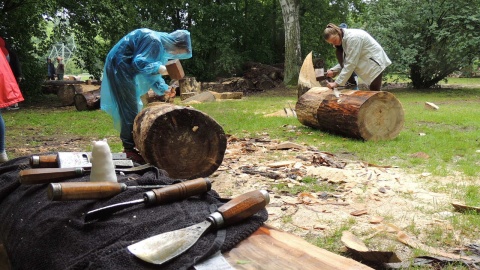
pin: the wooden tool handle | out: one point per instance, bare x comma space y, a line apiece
243, 206
179, 191
48, 175
49, 161
83, 190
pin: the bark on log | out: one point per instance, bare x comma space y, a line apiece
181, 140
67, 92
87, 101
367, 115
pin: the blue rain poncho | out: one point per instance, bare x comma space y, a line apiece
132, 68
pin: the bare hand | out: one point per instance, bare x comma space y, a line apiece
332, 85
330, 73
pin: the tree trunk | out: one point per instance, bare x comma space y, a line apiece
87, 101
291, 21
180, 140
367, 115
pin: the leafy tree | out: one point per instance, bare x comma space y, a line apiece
428, 40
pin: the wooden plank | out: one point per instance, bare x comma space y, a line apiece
270, 248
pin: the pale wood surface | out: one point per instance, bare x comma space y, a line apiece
269, 248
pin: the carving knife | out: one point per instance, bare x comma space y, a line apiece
161, 248
171, 193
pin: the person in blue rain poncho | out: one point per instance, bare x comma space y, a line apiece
133, 66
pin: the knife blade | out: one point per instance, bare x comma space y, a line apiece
163, 247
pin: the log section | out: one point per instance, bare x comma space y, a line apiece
367, 115
67, 92
183, 141
87, 101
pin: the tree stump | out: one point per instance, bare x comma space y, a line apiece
87, 101
183, 141
189, 85
67, 92
367, 115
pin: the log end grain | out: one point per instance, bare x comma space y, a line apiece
182, 141
381, 117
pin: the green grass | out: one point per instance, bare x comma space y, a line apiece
451, 134
450, 137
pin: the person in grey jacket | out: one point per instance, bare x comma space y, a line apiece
361, 54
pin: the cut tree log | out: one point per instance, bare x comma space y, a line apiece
87, 101
367, 115
67, 92
183, 141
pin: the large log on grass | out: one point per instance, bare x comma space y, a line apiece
87, 101
183, 141
367, 115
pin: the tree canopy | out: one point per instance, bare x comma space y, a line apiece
427, 40
419, 36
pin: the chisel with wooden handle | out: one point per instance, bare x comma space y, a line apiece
50, 175
70, 191
161, 248
171, 193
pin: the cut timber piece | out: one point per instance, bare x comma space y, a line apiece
228, 95
87, 101
368, 115
206, 96
186, 95
307, 78
270, 248
180, 140
151, 97
67, 92
175, 69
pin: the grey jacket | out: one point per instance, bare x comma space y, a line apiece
362, 54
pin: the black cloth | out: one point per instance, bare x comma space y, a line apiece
42, 234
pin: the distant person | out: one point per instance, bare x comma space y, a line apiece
9, 94
133, 66
50, 69
361, 54
60, 71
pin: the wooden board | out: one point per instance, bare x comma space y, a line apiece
270, 248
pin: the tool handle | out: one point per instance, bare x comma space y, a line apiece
83, 190
48, 175
48, 161
243, 206
179, 191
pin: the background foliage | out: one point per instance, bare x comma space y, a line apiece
426, 40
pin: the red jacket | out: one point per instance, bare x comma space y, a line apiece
9, 90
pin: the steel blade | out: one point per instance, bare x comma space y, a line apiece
110, 209
161, 248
